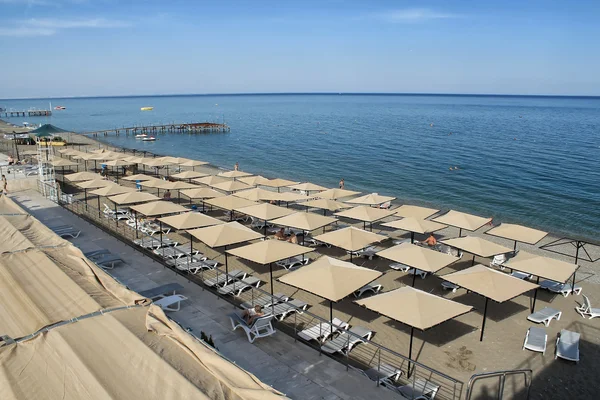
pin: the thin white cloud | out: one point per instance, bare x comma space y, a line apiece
413, 15
50, 26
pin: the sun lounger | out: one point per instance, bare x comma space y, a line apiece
171, 303
346, 340
545, 316
237, 287
586, 309
261, 327
419, 389
368, 252
222, 279
265, 300
400, 241
196, 266
108, 261
322, 331
374, 288
162, 291
567, 345
292, 262
383, 373
535, 340
176, 251
410, 270
285, 308
67, 231
312, 242
187, 260
450, 286
152, 243
498, 261
521, 275
563, 288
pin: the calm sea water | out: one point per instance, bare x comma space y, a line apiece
529, 160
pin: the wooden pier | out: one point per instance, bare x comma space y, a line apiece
197, 127
27, 113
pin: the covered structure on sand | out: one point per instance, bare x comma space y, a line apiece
331, 279
517, 233
48, 130
269, 251
543, 267
365, 214
418, 212
490, 284
462, 221
477, 246
350, 239
415, 225
223, 235
420, 310
334, 194
418, 258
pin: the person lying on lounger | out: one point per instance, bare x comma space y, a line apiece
431, 240
251, 314
293, 238
280, 235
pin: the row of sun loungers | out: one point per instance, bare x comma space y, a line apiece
567, 343
66, 230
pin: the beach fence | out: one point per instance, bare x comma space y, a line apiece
367, 355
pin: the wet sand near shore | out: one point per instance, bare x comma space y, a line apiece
453, 347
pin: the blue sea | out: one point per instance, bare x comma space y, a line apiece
528, 160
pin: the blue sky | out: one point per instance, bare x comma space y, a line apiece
109, 47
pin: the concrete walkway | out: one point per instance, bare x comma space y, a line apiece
291, 367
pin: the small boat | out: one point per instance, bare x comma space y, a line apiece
149, 139
141, 136
147, 108
60, 108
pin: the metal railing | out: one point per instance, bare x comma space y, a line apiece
363, 356
527, 375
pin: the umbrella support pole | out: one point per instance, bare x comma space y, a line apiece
535, 295
414, 277
226, 266
116, 215
412, 331
136, 225
412, 238
271, 275
161, 237
85, 198
473, 261
99, 211
515, 246
573, 284
483, 323
459, 232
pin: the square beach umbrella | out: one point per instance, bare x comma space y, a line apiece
490, 284
279, 183
476, 246
265, 212
210, 180
365, 214
334, 194
233, 174
350, 239
253, 180
229, 203
230, 186
517, 233
308, 187
462, 221
373, 199
414, 225
326, 205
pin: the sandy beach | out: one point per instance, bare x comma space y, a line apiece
453, 347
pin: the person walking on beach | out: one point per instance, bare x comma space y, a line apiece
236, 167
342, 184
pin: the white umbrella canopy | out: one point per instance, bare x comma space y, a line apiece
414, 225
334, 194
202, 193
210, 180
133, 198
229, 203
373, 199
253, 180
365, 214
61, 162
462, 220
118, 163
178, 185
157, 162
265, 211
304, 220
259, 194
154, 183
83, 176
190, 220
477, 246
518, 233
156, 208
234, 174
350, 238
269, 251
193, 163
326, 205
111, 190
330, 278
226, 234
308, 187
290, 197
139, 177
94, 184
188, 175
230, 186
279, 183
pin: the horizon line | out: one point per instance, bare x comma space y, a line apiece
305, 94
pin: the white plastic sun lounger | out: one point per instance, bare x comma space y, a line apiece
586, 309
535, 340
374, 288
162, 291
410, 270
187, 260
545, 315
292, 262
67, 231
450, 286
196, 266
563, 288
567, 345
521, 275
171, 303
265, 300
152, 243
383, 373
179, 251
345, 341
419, 389
368, 252
286, 308
261, 327
237, 287
223, 279
96, 253
322, 331
312, 242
